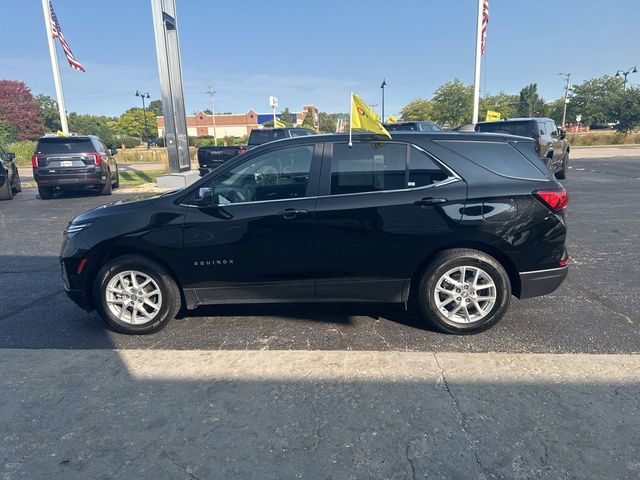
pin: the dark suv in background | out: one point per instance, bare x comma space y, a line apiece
72, 162
551, 144
453, 225
422, 126
258, 136
9, 177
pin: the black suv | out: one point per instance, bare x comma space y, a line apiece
10, 183
422, 126
454, 223
71, 162
259, 136
551, 144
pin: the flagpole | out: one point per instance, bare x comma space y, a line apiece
350, 118
54, 67
476, 82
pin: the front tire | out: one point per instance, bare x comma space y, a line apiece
6, 192
135, 295
562, 174
464, 291
18, 187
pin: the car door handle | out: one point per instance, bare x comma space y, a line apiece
423, 202
291, 213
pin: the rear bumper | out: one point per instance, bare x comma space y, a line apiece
541, 282
47, 178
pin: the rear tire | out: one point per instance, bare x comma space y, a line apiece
106, 188
46, 193
464, 291
6, 192
124, 274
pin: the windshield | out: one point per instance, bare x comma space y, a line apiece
263, 136
60, 145
401, 127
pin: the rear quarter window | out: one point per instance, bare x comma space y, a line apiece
500, 158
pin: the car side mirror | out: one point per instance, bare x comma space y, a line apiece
113, 151
563, 134
204, 197
11, 156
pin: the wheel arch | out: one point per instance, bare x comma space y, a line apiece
121, 251
502, 258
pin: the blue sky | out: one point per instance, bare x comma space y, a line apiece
317, 51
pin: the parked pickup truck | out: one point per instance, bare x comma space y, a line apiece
210, 156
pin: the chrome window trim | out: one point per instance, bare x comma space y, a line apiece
546, 270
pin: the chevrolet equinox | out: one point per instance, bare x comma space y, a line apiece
453, 223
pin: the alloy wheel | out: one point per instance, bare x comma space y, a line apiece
465, 294
133, 297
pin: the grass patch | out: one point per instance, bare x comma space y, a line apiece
133, 178
602, 138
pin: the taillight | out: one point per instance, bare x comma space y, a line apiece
241, 151
96, 157
555, 200
34, 159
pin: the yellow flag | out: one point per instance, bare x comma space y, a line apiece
363, 118
392, 119
493, 116
278, 124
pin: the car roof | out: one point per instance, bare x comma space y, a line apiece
62, 137
405, 122
520, 119
402, 136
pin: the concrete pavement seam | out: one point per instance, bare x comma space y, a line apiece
473, 443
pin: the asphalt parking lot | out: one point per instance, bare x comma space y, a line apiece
328, 391
595, 311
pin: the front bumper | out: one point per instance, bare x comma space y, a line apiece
541, 282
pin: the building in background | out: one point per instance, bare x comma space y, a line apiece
235, 125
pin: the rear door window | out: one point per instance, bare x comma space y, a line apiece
368, 167
499, 157
64, 145
423, 170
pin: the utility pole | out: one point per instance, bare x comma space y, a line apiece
384, 84
625, 74
567, 89
212, 93
144, 110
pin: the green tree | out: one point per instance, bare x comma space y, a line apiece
155, 107
131, 123
50, 113
327, 122
93, 125
627, 110
8, 133
597, 100
530, 103
309, 120
418, 109
285, 117
453, 104
555, 110
505, 103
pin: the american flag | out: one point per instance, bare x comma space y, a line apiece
56, 32
485, 21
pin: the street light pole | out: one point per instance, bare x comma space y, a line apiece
384, 84
567, 87
212, 94
144, 110
625, 74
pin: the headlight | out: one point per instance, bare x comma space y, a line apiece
75, 228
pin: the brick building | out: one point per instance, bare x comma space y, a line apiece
234, 125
